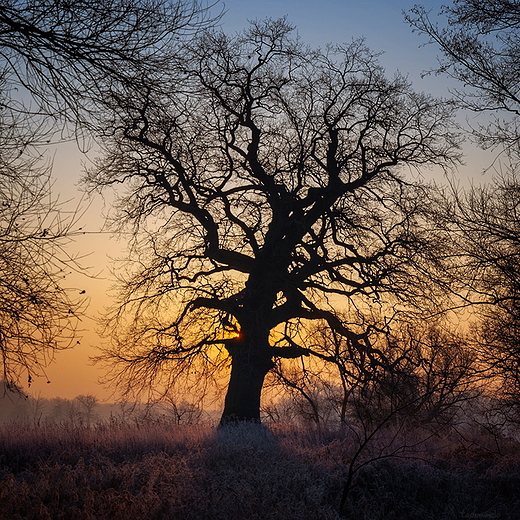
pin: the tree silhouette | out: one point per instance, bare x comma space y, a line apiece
265, 190
480, 49
88, 403
68, 56
38, 316
429, 372
486, 222
58, 61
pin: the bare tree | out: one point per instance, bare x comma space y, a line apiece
386, 411
269, 195
58, 62
68, 56
182, 412
488, 221
428, 375
88, 404
480, 47
38, 315
64, 410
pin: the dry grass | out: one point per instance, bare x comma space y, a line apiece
161, 471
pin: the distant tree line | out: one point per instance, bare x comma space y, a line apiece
86, 410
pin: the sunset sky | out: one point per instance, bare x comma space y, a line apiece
318, 22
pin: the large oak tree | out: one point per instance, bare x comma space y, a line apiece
264, 184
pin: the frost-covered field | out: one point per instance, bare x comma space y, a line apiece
162, 471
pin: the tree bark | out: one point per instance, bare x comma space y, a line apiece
249, 366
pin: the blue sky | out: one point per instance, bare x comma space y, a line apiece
380, 22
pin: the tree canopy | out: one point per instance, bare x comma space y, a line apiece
265, 185
58, 59
480, 48
68, 56
38, 316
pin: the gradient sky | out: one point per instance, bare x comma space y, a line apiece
318, 22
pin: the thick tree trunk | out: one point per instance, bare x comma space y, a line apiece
251, 356
248, 371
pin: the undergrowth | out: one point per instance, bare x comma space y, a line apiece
160, 471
